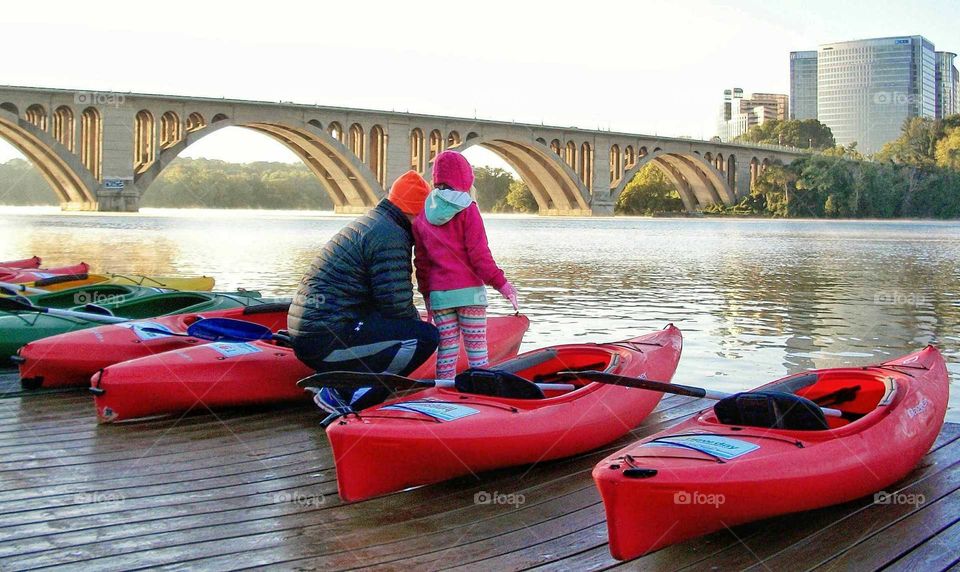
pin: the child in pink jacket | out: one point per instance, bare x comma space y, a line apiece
453, 264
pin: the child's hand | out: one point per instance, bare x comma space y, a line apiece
510, 293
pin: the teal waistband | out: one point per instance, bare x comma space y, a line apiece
472, 296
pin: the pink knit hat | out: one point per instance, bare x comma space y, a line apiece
452, 169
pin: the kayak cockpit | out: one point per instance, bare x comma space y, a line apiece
855, 393
544, 368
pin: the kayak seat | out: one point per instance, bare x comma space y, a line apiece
496, 383
771, 410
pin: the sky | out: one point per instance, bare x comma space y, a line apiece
656, 67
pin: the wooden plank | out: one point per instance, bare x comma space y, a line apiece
734, 549
348, 523
939, 552
888, 545
232, 490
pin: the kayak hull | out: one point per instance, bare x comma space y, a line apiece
656, 493
70, 359
183, 283
19, 328
20, 275
33, 262
396, 445
230, 374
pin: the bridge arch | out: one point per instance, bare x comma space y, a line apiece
351, 183
555, 186
697, 180
74, 185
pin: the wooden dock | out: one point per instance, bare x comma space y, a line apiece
256, 488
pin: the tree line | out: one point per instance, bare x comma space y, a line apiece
915, 176
208, 183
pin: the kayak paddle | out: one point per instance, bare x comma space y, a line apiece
94, 313
20, 288
674, 388
353, 380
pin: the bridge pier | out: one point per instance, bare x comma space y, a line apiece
110, 201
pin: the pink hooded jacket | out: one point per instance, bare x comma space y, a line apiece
453, 254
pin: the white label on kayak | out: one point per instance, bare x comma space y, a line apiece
723, 447
138, 328
228, 349
437, 410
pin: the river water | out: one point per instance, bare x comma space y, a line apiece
756, 299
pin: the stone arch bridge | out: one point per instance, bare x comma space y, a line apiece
101, 150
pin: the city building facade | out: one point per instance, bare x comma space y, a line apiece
947, 79
738, 113
803, 85
867, 89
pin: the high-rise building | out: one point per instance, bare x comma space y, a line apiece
866, 89
803, 85
738, 113
947, 90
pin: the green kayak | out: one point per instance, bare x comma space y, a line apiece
101, 295
21, 327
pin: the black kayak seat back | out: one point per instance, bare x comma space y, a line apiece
772, 410
496, 383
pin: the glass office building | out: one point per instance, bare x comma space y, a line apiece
803, 85
866, 89
947, 77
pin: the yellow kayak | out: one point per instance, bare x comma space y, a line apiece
193, 283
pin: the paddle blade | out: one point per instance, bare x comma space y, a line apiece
228, 330
352, 380
497, 383
17, 304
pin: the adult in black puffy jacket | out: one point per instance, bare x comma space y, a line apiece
354, 309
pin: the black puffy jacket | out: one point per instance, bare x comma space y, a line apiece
364, 268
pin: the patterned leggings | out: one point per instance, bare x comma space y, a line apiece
472, 320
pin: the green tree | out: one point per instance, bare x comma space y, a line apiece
800, 133
649, 192
948, 149
519, 199
492, 186
916, 145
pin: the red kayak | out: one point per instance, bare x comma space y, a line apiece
71, 358
18, 275
223, 374
33, 262
441, 433
704, 475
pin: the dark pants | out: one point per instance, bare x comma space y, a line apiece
375, 345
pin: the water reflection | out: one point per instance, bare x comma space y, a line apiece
756, 299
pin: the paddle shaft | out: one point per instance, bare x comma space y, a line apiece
23, 305
22, 288
674, 388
